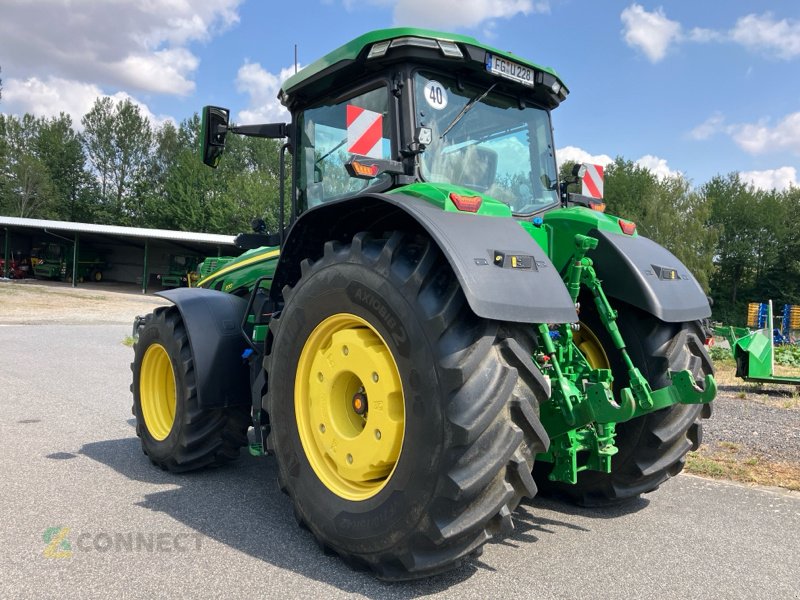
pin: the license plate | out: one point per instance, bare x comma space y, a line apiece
510, 70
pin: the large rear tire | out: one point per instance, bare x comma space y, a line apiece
175, 432
442, 455
652, 448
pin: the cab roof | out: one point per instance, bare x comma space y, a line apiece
354, 54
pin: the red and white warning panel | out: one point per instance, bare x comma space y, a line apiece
364, 132
593, 181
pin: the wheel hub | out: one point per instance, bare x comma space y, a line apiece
360, 403
349, 406
157, 392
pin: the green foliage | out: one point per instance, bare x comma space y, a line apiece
788, 356
756, 258
720, 354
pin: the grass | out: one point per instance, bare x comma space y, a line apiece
128, 341
730, 461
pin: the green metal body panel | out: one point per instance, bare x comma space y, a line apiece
438, 194
239, 274
565, 223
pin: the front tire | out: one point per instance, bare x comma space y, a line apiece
457, 413
653, 447
176, 433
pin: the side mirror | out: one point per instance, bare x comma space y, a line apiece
213, 131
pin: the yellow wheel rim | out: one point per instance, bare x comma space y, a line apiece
349, 406
590, 346
157, 391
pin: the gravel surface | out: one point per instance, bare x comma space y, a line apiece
32, 301
757, 422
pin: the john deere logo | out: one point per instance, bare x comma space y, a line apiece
58, 545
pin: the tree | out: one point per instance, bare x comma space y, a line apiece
98, 141
60, 149
118, 141
754, 228
27, 189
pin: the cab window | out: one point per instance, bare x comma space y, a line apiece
330, 134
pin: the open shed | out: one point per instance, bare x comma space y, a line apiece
130, 254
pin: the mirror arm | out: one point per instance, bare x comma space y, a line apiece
264, 130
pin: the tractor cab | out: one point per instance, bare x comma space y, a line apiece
403, 106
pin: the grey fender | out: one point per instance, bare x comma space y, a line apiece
638, 271
213, 325
504, 273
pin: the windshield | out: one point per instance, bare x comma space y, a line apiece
495, 147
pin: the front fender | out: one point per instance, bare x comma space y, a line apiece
504, 273
213, 324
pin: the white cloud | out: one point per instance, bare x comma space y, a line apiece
711, 126
760, 138
579, 155
52, 96
262, 88
653, 33
704, 36
754, 138
465, 13
779, 179
165, 71
125, 43
650, 32
657, 166
766, 34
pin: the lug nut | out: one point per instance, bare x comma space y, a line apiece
375, 377
345, 350
350, 459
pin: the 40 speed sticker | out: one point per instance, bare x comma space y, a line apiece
435, 95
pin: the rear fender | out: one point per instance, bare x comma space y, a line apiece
213, 325
479, 249
638, 271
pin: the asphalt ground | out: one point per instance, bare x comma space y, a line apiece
72, 472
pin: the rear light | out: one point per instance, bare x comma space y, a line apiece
466, 203
628, 227
362, 170
598, 206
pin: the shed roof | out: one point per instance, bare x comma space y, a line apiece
133, 232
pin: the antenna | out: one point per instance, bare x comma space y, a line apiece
295, 59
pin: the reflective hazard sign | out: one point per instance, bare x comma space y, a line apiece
364, 132
593, 181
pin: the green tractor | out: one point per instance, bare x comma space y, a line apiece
438, 329
182, 271
58, 262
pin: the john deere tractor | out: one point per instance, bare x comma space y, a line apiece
437, 329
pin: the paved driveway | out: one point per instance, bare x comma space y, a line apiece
84, 513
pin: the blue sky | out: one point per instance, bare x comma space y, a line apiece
696, 87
